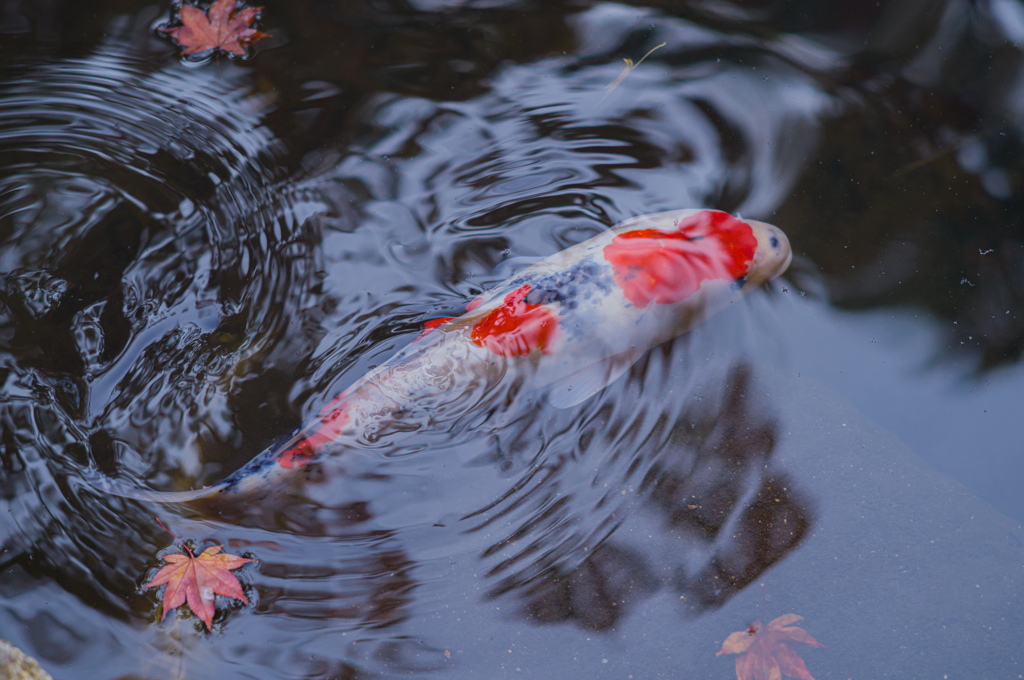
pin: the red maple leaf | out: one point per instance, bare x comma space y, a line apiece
197, 580
225, 27
764, 653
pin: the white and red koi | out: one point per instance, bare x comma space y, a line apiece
573, 322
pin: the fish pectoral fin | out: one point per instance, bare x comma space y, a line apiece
579, 386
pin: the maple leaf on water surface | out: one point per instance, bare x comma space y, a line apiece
764, 653
197, 580
224, 27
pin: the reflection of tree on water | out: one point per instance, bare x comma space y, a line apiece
723, 509
750, 532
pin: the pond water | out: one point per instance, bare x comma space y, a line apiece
198, 255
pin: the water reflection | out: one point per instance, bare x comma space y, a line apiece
191, 268
703, 481
176, 300
135, 207
925, 206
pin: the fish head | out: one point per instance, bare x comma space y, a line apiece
772, 256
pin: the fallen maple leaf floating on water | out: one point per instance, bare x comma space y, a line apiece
764, 653
197, 580
224, 27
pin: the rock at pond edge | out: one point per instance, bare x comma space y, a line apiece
16, 665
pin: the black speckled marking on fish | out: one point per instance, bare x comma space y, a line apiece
568, 287
263, 462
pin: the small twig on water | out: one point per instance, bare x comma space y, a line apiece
626, 70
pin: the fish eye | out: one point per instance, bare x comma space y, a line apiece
775, 241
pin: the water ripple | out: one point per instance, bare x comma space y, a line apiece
174, 300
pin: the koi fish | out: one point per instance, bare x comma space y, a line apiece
571, 323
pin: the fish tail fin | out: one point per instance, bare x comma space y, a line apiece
100, 482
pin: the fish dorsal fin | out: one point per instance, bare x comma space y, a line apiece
577, 387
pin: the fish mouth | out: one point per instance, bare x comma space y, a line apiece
774, 253
782, 267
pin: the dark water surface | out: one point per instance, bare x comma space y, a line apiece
196, 256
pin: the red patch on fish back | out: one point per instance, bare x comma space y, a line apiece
432, 324
474, 303
333, 418
516, 327
297, 455
666, 267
